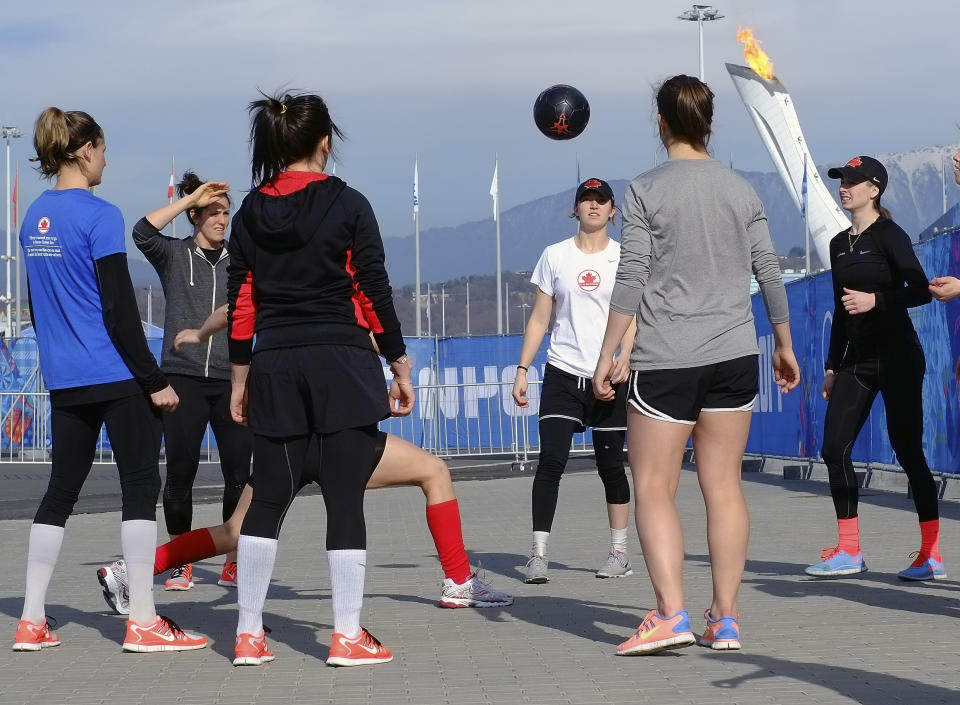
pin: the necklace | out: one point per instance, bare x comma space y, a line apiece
852, 239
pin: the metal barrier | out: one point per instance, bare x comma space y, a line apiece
493, 427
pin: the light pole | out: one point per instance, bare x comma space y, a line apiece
701, 14
9, 133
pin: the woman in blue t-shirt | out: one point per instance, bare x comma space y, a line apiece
98, 369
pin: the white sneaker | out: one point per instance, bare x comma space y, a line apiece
535, 571
474, 592
116, 591
617, 566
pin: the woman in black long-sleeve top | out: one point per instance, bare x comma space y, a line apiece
874, 348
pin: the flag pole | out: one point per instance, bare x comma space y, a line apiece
806, 228
173, 171
468, 307
16, 259
495, 192
416, 239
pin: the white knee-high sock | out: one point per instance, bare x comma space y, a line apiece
255, 558
138, 540
540, 539
348, 569
44, 548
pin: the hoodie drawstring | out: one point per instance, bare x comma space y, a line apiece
190, 257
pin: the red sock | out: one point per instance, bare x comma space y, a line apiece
849, 530
444, 522
930, 539
187, 548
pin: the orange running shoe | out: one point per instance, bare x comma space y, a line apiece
363, 650
33, 637
228, 576
722, 634
163, 635
657, 633
180, 579
251, 650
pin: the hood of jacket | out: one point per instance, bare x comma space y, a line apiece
281, 221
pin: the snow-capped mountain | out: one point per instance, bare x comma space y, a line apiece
914, 197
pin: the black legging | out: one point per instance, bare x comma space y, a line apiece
345, 459
133, 426
202, 401
899, 380
556, 434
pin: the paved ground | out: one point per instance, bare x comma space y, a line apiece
871, 639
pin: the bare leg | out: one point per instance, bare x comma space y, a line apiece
719, 440
655, 451
403, 463
619, 515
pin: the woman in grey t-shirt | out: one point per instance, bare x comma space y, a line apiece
693, 232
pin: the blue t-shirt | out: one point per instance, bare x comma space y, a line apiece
62, 234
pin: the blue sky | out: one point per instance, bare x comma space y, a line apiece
455, 83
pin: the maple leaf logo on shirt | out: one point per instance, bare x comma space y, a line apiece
588, 280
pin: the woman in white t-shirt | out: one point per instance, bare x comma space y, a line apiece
574, 280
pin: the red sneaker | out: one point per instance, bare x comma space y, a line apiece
33, 637
362, 650
251, 650
180, 579
163, 635
228, 576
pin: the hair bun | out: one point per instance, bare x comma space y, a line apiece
190, 183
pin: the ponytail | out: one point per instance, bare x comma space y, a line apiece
285, 129
58, 135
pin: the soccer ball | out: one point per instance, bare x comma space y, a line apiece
561, 112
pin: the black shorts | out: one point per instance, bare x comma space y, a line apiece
679, 395
567, 396
315, 389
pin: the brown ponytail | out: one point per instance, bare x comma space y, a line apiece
686, 105
58, 135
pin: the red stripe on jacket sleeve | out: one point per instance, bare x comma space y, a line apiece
245, 311
362, 305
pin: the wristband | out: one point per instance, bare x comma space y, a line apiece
523, 367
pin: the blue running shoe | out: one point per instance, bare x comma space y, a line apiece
923, 569
836, 563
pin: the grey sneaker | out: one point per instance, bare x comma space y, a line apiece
536, 569
474, 592
113, 580
617, 566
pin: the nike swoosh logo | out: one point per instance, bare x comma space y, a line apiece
347, 643
865, 252
165, 637
644, 635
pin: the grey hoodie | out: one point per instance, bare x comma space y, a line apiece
193, 288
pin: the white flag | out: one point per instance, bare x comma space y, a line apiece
416, 187
495, 190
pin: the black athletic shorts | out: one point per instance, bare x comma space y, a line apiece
315, 389
679, 395
567, 396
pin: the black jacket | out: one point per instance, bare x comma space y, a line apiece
880, 261
307, 268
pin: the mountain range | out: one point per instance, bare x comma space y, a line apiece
914, 197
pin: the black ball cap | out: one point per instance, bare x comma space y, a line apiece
598, 185
861, 169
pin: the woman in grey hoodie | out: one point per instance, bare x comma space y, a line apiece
193, 274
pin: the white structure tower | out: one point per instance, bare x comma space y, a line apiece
771, 109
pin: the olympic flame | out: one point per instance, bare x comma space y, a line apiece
755, 57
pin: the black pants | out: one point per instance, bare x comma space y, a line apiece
133, 426
344, 461
899, 380
556, 435
202, 401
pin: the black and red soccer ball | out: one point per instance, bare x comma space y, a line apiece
561, 112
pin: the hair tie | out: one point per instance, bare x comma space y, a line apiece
283, 108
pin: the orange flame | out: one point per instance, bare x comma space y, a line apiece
756, 57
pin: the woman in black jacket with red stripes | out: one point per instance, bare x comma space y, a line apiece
307, 277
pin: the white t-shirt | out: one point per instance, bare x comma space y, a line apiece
581, 285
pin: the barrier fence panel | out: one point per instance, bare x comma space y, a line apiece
464, 387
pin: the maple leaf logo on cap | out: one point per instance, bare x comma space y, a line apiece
593, 183
856, 161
